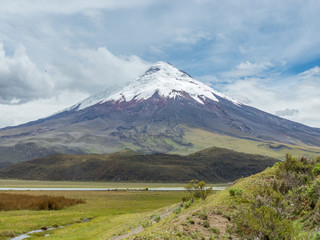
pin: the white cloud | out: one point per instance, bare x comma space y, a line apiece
189, 36
84, 70
20, 79
36, 109
247, 69
295, 97
311, 73
287, 112
28, 93
92, 70
65, 7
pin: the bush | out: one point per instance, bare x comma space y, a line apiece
187, 204
197, 189
186, 199
316, 170
276, 201
264, 223
313, 194
177, 211
295, 172
235, 191
301, 165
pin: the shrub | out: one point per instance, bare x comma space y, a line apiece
186, 198
313, 194
301, 165
177, 210
235, 191
264, 223
295, 172
198, 189
316, 170
187, 204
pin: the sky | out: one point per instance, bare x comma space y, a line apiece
54, 54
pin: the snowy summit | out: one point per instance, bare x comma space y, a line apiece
161, 78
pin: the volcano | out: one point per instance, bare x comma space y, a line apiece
158, 112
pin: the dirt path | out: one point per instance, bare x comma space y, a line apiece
141, 228
134, 231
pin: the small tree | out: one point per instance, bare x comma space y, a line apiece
197, 189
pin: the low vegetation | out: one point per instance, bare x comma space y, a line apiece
9, 202
109, 213
197, 190
211, 165
202, 139
282, 202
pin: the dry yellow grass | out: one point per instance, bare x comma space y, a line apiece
9, 202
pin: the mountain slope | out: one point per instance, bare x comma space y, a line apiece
213, 165
151, 114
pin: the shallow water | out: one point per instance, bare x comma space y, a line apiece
26, 235
103, 189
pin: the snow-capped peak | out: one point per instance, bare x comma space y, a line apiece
163, 78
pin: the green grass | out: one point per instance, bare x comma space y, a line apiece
74, 184
204, 139
79, 184
110, 213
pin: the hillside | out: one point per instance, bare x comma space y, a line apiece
282, 202
212, 165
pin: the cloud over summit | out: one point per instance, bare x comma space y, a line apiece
88, 71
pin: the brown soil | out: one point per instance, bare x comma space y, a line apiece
206, 224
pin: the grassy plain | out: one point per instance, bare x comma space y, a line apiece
110, 213
6, 183
79, 184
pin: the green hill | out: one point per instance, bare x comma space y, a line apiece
212, 165
282, 202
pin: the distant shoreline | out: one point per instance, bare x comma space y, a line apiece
105, 189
